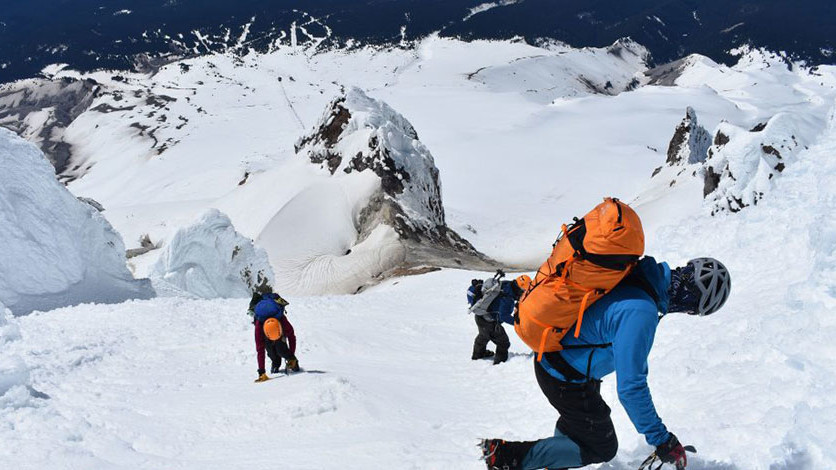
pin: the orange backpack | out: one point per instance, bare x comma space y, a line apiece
589, 258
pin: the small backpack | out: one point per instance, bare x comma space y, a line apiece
270, 306
494, 299
589, 258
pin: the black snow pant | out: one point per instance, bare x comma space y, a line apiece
491, 331
584, 416
276, 350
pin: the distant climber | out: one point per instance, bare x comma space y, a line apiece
628, 295
273, 333
492, 303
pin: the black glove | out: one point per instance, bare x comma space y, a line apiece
672, 452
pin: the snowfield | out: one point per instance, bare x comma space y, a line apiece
167, 383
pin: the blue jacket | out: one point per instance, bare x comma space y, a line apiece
627, 318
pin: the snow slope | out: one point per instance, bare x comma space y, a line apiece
57, 250
167, 382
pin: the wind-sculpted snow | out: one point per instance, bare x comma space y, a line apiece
15, 390
742, 165
781, 109
209, 259
57, 250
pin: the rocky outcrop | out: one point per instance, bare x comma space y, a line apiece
41, 109
736, 167
372, 210
567, 73
743, 164
668, 74
357, 134
689, 144
690, 141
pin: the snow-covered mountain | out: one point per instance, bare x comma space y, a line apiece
374, 210
124, 35
346, 166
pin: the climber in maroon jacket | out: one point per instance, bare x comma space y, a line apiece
273, 333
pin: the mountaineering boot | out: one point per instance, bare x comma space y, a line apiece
262, 378
504, 455
500, 357
293, 365
482, 355
276, 367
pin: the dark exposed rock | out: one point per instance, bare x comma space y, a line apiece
768, 149
666, 74
690, 141
758, 127
145, 245
721, 139
106, 108
327, 135
159, 101
67, 98
711, 181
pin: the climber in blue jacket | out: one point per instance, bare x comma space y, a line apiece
621, 325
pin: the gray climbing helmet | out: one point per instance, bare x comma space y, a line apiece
713, 282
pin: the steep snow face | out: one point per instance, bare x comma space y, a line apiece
378, 204
569, 72
57, 250
209, 259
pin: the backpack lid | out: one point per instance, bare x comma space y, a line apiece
267, 308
